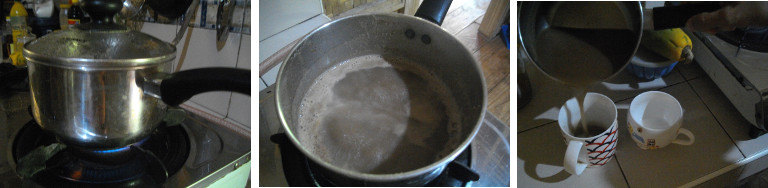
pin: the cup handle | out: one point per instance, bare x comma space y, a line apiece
571, 160
687, 133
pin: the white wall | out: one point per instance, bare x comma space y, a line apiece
201, 52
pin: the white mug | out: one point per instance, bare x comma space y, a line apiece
588, 150
44, 8
654, 120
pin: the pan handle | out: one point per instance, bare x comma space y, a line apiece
677, 16
181, 86
434, 10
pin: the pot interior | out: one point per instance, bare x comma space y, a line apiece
381, 94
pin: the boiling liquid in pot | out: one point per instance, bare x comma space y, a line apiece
380, 115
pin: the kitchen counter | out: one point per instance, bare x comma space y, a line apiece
722, 154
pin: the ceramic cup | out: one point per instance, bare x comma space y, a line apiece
44, 8
594, 147
654, 121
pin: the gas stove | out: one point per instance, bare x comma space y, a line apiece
488, 155
737, 61
190, 149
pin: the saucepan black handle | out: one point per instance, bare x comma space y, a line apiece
434, 10
677, 16
184, 84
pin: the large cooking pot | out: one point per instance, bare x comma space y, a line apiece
102, 86
558, 35
393, 37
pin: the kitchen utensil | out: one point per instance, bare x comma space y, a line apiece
223, 21
595, 147
392, 36
169, 9
132, 8
100, 86
591, 41
648, 65
654, 121
185, 21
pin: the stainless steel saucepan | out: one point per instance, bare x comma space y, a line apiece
102, 86
391, 36
557, 35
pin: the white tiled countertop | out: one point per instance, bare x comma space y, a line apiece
721, 155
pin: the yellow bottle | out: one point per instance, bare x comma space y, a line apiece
18, 30
18, 20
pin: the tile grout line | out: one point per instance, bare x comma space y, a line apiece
262, 81
313, 17
537, 126
616, 157
716, 119
657, 89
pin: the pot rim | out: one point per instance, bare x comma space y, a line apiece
382, 177
83, 63
99, 63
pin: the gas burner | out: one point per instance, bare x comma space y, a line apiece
755, 39
302, 172
147, 163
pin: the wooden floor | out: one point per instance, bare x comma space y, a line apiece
463, 20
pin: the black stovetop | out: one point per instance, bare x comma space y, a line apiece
302, 172
751, 38
148, 163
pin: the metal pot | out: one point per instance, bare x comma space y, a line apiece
397, 36
572, 17
104, 87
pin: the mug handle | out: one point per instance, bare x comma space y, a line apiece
687, 133
571, 160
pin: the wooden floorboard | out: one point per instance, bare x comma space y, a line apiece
471, 38
493, 57
463, 20
463, 16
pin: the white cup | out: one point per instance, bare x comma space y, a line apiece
44, 8
654, 121
588, 150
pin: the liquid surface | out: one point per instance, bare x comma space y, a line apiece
590, 131
380, 115
580, 57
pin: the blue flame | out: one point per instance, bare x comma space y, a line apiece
113, 150
123, 148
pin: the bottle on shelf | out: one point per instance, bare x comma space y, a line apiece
18, 20
17, 59
7, 38
76, 14
63, 14
19, 29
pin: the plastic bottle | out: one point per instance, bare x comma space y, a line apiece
18, 20
17, 59
7, 38
63, 15
76, 15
